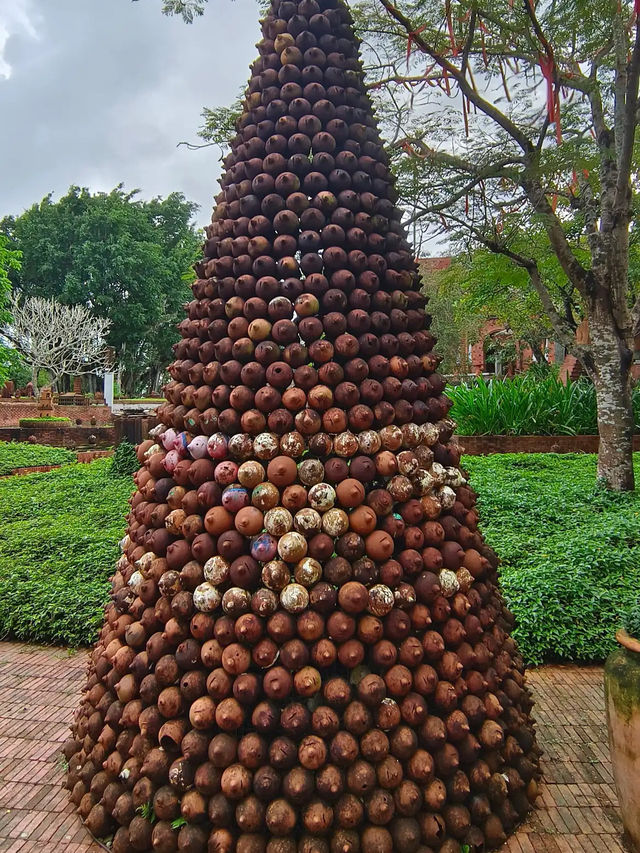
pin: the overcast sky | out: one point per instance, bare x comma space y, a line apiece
95, 92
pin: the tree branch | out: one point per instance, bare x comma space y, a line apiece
627, 132
466, 88
561, 326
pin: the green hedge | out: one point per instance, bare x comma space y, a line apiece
36, 422
570, 551
58, 547
527, 405
16, 454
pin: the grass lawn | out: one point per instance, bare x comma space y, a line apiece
571, 552
21, 454
58, 547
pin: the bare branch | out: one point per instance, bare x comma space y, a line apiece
62, 339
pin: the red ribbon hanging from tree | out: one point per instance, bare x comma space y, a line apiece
452, 38
557, 119
411, 38
445, 77
547, 66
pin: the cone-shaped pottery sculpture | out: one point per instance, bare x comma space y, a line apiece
306, 648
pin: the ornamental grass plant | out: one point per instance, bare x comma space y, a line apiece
527, 404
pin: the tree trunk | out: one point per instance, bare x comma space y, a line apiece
34, 381
612, 380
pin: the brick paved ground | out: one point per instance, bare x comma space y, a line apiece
39, 688
577, 812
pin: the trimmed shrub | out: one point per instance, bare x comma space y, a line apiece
58, 548
47, 421
631, 621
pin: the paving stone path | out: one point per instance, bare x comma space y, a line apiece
39, 689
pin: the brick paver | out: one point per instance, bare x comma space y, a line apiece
576, 812
38, 692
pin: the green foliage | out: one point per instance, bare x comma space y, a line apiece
127, 259
570, 551
13, 367
453, 327
219, 124
187, 9
528, 404
9, 262
124, 462
18, 454
36, 422
178, 822
491, 287
57, 551
147, 811
631, 621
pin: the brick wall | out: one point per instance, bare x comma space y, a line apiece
11, 412
84, 456
480, 445
66, 436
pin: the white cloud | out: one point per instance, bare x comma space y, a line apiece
16, 18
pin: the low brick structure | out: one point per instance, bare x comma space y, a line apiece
60, 436
11, 411
482, 445
83, 457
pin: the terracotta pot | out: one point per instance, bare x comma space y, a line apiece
622, 694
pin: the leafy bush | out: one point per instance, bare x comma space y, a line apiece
570, 551
631, 621
124, 462
36, 422
19, 454
527, 405
58, 549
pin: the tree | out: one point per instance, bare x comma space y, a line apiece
9, 260
125, 259
61, 339
542, 105
520, 118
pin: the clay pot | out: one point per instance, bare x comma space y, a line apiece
623, 719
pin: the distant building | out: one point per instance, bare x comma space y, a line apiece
485, 354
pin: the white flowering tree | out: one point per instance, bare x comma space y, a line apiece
61, 339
